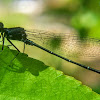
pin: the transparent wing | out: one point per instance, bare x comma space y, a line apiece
52, 40
66, 44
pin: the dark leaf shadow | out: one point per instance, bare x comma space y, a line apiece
21, 63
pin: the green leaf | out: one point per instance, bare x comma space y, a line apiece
29, 79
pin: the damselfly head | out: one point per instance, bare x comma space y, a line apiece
1, 26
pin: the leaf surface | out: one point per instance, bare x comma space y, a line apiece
29, 79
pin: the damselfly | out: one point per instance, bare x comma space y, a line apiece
20, 34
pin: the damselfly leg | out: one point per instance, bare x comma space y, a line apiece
24, 48
3, 41
15, 48
2, 36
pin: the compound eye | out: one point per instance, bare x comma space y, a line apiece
1, 25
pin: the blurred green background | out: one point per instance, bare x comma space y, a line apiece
79, 17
